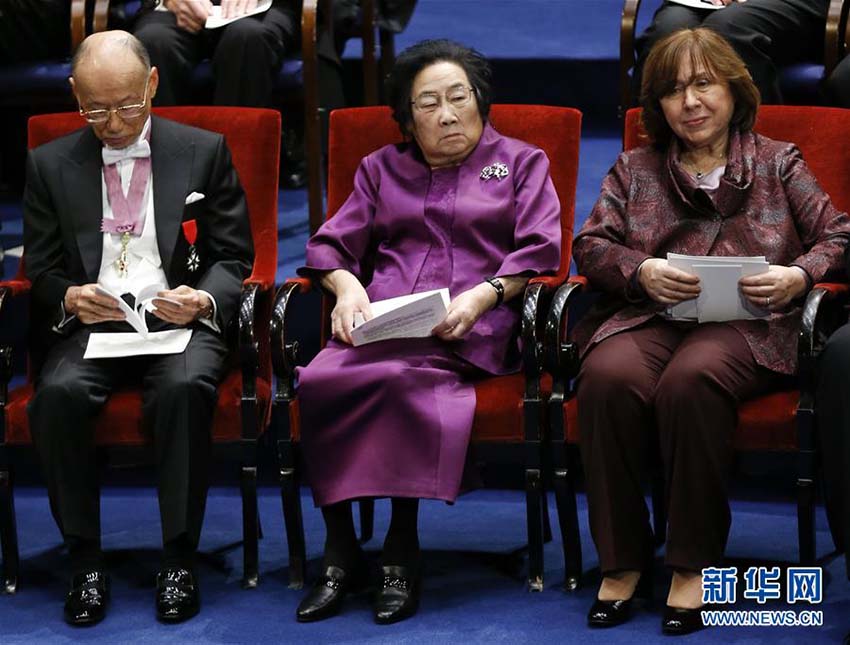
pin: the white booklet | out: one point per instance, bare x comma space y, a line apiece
699, 4
141, 342
720, 298
412, 316
214, 20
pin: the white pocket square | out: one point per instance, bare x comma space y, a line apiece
194, 197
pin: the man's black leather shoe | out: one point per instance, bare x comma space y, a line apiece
86, 602
678, 622
177, 597
325, 598
398, 597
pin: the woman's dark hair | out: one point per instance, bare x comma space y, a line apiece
427, 52
707, 50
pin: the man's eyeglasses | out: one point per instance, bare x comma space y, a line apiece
124, 112
457, 96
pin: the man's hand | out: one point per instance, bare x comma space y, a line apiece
91, 307
464, 311
193, 305
774, 288
666, 284
191, 14
237, 8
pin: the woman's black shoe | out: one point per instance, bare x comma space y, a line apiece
398, 597
678, 622
610, 613
325, 598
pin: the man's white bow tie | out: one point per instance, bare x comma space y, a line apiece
135, 151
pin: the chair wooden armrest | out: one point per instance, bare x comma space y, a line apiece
628, 21
823, 313
370, 68
834, 41
78, 23
560, 355
535, 302
285, 350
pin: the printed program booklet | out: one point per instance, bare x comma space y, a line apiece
412, 316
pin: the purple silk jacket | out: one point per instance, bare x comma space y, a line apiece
500, 227
768, 203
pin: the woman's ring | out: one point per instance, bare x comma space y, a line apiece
768, 301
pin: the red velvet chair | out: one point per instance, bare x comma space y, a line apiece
242, 413
508, 422
781, 421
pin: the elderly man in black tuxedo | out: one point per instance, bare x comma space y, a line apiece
104, 206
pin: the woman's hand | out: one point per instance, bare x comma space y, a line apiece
464, 311
351, 298
775, 288
666, 284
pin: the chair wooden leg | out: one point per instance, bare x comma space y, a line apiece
547, 525
8, 533
367, 519
250, 527
806, 520
534, 515
565, 498
806, 479
290, 496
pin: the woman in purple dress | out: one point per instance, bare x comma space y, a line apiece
708, 185
457, 206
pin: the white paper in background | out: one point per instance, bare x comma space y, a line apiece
121, 344
698, 4
411, 316
214, 20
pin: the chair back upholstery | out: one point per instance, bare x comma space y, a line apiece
253, 136
821, 134
356, 132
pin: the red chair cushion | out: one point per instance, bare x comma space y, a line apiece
120, 423
767, 423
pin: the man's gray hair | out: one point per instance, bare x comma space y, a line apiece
126, 39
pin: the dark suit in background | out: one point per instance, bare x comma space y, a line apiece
766, 34
246, 55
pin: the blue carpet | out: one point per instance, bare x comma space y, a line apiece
471, 595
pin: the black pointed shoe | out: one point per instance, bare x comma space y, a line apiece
177, 597
325, 598
610, 613
88, 598
398, 597
678, 622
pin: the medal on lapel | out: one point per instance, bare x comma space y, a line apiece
190, 232
496, 170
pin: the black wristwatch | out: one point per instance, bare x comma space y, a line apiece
499, 287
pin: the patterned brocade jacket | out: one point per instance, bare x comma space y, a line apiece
768, 203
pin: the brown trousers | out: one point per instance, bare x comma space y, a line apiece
685, 382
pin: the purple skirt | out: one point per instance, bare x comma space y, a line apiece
389, 419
